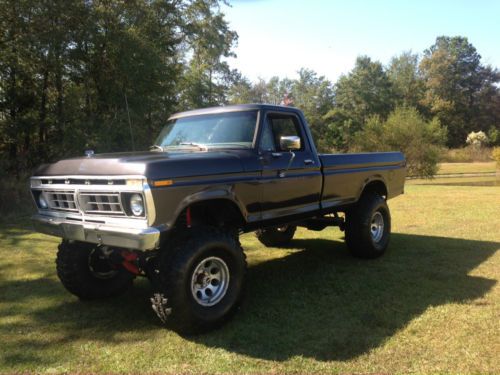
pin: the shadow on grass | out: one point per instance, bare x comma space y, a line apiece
317, 302
13, 235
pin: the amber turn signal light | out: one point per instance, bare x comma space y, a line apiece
160, 183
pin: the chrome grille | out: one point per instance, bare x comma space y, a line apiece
63, 200
101, 203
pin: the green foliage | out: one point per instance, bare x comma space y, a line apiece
242, 91
494, 136
459, 88
271, 92
339, 129
407, 84
71, 73
311, 93
209, 40
407, 131
314, 96
364, 92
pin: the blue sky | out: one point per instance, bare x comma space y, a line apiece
277, 37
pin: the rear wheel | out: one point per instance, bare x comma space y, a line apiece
85, 271
199, 281
368, 227
278, 236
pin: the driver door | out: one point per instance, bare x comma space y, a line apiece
291, 180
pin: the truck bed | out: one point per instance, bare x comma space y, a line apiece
362, 168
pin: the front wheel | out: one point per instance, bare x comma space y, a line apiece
368, 227
199, 281
85, 271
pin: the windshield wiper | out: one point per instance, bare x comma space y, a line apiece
201, 146
156, 147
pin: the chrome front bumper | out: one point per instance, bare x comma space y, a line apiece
103, 234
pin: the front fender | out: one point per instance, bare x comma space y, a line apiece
179, 200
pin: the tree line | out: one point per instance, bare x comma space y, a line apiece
106, 75
447, 83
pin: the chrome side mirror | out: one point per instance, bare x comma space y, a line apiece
290, 143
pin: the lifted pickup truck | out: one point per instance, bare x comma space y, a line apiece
174, 214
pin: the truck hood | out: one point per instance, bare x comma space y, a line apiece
153, 165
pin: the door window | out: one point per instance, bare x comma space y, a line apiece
277, 126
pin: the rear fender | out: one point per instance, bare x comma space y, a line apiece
377, 183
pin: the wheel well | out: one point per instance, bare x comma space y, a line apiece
217, 212
375, 187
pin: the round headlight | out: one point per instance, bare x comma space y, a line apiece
42, 202
136, 205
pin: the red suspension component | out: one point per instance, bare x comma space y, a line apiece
129, 261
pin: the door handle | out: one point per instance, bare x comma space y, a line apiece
308, 161
276, 154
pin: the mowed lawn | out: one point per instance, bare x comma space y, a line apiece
431, 304
465, 168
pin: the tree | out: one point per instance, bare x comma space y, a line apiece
277, 89
407, 84
103, 75
240, 90
208, 40
458, 86
364, 92
407, 131
313, 94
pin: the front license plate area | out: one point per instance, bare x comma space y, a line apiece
74, 232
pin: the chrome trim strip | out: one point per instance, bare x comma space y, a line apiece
92, 188
149, 205
74, 217
90, 177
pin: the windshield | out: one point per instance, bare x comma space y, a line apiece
222, 130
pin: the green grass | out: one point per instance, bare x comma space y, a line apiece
457, 181
459, 168
431, 304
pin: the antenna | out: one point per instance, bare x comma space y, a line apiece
129, 123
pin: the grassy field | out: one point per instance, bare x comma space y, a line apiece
431, 304
452, 168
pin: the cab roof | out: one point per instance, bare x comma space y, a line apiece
233, 108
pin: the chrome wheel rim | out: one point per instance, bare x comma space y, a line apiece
377, 226
210, 281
